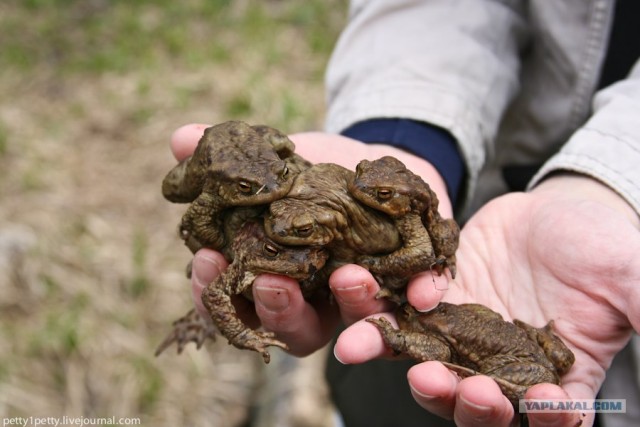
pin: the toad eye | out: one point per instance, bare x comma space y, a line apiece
285, 172
304, 230
269, 250
384, 193
244, 187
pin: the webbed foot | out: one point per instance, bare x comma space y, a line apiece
189, 328
441, 263
257, 341
382, 324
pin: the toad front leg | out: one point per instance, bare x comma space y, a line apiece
419, 346
415, 255
216, 298
392, 271
445, 236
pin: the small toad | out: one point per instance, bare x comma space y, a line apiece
233, 165
254, 253
471, 339
320, 211
428, 240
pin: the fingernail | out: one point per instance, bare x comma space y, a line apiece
273, 299
336, 356
353, 295
478, 412
422, 395
205, 270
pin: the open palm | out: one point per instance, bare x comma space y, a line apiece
538, 258
535, 257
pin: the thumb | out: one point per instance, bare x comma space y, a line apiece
207, 266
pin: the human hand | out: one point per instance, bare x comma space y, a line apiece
279, 305
565, 251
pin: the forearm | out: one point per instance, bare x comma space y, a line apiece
453, 65
607, 146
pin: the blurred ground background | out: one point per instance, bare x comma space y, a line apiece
91, 269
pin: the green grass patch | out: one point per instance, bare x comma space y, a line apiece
150, 381
51, 285
239, 106
121, 35
61, 332
4, 140
139, 284
32, 180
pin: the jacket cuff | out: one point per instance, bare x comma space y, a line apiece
432, 143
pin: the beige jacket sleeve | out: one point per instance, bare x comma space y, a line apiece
453, 64
607, 146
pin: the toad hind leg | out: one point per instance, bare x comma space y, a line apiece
514, 379
189, 328
418, 346
201, 223
182, 184
224, 316
556, 351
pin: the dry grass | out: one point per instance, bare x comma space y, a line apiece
91, 270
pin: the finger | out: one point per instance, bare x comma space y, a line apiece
321, 147
479, 401
185, 139
362, 342
246, 311
207, 266
355, 290
425, 290
547, 392
434, 388
282, 309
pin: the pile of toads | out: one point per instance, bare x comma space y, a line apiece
268, 210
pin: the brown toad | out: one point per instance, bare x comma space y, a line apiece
233, 165
428, 240
254, 253
471, 339
320, 211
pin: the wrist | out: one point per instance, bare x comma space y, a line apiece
569, 185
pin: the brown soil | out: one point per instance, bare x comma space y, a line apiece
91, 268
